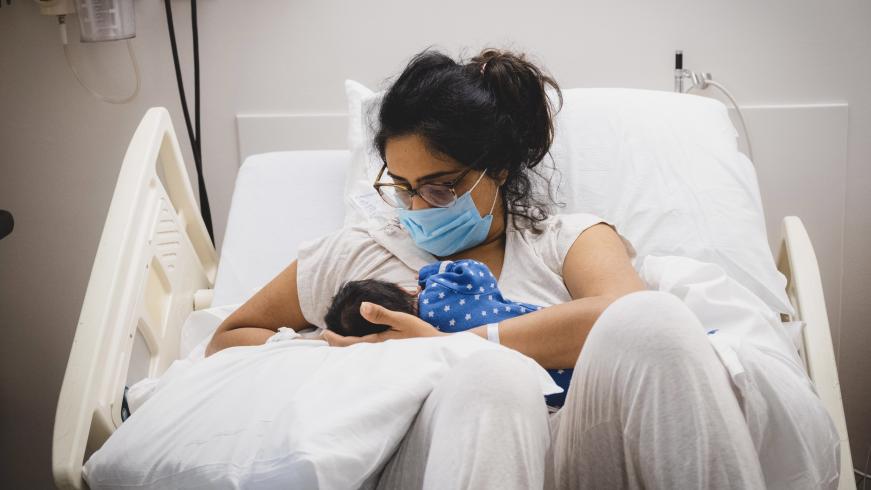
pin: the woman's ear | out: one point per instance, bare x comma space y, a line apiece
501, 177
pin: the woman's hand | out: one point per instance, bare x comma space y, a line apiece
402, 326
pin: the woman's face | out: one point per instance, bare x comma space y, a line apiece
410, 162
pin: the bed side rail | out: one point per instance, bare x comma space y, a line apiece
154, 253
798, 262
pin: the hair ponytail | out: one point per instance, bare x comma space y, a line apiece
520, 95
494, 111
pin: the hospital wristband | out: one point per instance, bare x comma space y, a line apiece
493, 332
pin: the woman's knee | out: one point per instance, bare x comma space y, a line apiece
647, 323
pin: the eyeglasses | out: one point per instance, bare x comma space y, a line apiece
440, 195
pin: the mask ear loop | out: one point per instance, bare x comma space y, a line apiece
492, 207
494, 201
477, 181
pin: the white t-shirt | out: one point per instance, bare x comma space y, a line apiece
531, 271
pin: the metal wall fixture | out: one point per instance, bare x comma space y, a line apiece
701, 81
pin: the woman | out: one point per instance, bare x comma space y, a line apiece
649, 406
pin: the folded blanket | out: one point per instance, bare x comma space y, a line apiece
288, 414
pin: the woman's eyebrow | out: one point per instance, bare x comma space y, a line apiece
431, 176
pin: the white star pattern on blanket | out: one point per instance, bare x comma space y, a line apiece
459, 282
467, 297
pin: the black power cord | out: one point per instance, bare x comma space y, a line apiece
195, 31
193, 129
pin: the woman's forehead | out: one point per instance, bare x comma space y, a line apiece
409, 158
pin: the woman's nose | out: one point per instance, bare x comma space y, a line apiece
418, 202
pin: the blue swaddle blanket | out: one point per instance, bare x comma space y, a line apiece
459, 295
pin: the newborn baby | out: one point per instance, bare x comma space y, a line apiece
454, 296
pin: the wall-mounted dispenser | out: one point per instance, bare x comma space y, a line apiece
99, 20
106, 20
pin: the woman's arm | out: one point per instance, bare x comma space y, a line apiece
597, 270
276, 305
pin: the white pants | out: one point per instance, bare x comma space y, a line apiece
650, 406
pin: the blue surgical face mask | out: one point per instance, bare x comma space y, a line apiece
446, 231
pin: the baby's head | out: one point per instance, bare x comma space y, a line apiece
343, 316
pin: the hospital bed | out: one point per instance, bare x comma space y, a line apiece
155, 265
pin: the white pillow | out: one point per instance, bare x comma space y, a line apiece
286, 414
361, 201
664, 168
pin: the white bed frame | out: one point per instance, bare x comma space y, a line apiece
155, 264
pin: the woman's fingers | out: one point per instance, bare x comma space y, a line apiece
378, 314
337, 340
399, 326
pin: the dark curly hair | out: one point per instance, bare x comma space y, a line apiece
492, 112
343, 315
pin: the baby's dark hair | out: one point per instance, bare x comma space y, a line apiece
343, 316
491, 112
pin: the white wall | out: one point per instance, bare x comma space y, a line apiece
62, 149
